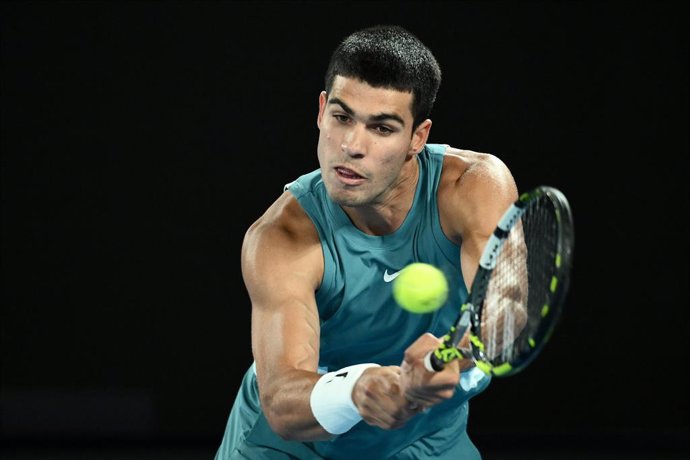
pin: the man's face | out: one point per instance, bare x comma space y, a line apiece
365, 140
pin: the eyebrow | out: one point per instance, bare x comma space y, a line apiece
380, 117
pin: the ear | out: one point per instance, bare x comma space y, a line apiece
419, 137
323, 97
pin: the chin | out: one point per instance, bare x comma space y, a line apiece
344, 198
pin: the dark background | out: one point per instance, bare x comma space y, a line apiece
141, 139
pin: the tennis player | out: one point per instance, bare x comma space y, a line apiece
338, 371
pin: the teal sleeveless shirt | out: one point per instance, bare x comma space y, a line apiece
360, 322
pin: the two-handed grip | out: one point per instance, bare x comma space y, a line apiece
436, 360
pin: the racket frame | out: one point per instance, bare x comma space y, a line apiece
469, 317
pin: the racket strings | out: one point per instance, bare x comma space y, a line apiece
519, 287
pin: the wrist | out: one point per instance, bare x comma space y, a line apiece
331, 399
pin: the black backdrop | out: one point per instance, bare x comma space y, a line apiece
141, 139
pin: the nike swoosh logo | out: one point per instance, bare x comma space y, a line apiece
342, 374
390, 277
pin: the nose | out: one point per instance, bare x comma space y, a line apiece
354, 142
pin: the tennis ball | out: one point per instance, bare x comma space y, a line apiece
420, 288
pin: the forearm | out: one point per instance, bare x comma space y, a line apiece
285, 401
306, 407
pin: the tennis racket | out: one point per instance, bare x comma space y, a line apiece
519, 290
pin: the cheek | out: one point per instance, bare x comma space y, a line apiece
393, 159
324, 146
325, 134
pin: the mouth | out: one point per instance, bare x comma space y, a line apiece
348, 176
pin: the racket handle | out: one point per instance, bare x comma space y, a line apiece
432, 363
435, 364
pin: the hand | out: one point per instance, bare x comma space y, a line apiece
379, 398
422, 388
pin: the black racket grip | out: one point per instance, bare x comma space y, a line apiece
433, 363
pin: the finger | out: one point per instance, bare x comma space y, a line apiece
419, 349
389, 413
379, 399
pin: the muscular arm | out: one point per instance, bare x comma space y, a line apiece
477, 189
474, 191
282, 266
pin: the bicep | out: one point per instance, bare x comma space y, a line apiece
281, 273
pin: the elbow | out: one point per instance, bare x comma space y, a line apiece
280, 427
286, 429
287, 435
279, 420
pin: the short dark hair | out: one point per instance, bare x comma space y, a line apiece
390, 57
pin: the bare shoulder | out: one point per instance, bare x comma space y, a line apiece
283, 241
475, 189
462, 166
286, 218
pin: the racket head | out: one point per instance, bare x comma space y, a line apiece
520, 288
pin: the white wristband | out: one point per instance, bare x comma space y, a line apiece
331, 399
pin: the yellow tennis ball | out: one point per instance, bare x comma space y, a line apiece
420, 288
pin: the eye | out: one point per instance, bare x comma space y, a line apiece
341, 118
383, 129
